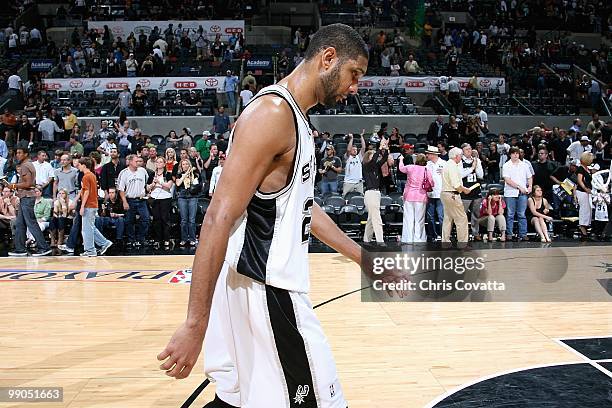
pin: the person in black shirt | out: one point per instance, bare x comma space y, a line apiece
544, 169
138, 101
112, 214
183, 155
450, 132
434, 133
583, 194
142, 41
25, 130
491, 160
138, 141
527, 147
110, 171
373, 160
559, 147
212, 162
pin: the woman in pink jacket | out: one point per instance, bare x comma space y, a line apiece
415, 199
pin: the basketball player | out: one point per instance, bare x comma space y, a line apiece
264, 346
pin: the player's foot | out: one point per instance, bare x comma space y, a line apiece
17, 253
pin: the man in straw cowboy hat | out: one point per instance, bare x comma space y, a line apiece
435, 209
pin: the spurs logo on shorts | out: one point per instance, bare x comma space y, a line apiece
302, 392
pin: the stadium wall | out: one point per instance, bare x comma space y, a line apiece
161, 125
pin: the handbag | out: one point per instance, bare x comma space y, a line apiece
427, 186
195, 187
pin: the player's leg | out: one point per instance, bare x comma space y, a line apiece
283, 359
219, 354
327, 386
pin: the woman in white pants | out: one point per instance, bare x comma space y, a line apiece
415, 199
583, 194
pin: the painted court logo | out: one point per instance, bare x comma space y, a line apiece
181, 276
302, 392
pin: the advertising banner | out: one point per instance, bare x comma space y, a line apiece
426, 83
161, 84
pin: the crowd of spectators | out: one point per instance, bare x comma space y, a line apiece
101, 54
531, 178
140, 183
136, 182
159, 10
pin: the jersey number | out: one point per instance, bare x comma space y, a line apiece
306, 219
471, 178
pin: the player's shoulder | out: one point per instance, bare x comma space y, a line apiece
271, 109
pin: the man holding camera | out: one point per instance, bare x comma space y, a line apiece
331, 165
353, 179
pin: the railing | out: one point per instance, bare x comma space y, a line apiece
604, 102
522, 105
444, 103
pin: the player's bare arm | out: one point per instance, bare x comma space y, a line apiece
326, 230
260, 157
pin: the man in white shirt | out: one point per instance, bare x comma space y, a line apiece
216, 174
435, 209
12, 43
411, 66
131, 65
518, 184
246, 95
44, 174
157, 51
353, 177
47, 129
131, 184
443, 81
162, 44
35, 37
578, 147
483, 119
15, 84
527, 162
454, 94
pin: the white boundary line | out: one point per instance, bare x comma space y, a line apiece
585, 358
499, 374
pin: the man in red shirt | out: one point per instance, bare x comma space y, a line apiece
89, 208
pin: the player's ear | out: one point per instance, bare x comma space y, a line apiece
327, 57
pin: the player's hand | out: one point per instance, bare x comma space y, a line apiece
126, 206
182, 351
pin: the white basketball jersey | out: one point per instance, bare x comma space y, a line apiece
269, 242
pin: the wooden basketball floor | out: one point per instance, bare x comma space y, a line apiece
94, 327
